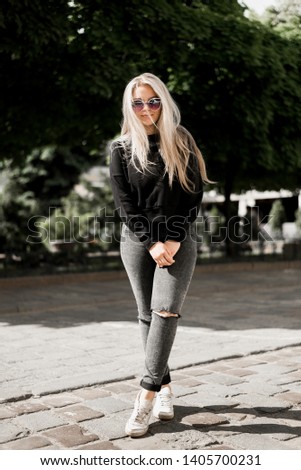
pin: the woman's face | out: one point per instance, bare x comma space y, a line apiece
149, 113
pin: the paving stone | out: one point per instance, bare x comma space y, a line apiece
188, 382
270, 370
200, 420
286, 381
291, 365
270, 426
214, 390
251, 387
147, 442
271, 357
247, 362
28, 443
238, 415
220, 447
294, 444
62, 399
78, 413
293, 376
183, 409
110, 427
70, 436
293, 353
128, 397
294, 387
108, 405
291, 397
291, 417
223, 379
247, 441
219, 433
177, 376
7, 412
212, 402
263, 403
119, 387
243, 372
39, 421
196, 371
26, 407
99, 445
182, 437
179, 391
91, 393
218, 366
10, 431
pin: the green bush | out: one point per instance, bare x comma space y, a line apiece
80, 223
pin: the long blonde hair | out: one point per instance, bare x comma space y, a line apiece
176, 143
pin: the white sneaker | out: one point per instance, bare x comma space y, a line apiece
163, 408
137, 425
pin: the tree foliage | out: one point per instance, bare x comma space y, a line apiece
237, 82
65, 66
242, 101
285, 18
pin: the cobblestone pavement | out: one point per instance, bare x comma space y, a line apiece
245, 403
70, 361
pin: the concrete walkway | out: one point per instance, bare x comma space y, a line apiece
71, 358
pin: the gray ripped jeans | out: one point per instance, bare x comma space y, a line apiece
156, 290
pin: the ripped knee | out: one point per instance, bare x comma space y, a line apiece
166, 314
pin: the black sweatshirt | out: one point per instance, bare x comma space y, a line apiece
146, 203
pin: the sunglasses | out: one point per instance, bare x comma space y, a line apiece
153, 104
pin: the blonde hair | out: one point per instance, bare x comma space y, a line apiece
176, 143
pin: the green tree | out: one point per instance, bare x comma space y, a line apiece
46, 176
15, 210
50, 173
65, 65
240, 95
84, 218
235, 80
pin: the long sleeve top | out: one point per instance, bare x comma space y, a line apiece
145, 201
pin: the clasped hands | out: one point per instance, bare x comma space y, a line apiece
163, 253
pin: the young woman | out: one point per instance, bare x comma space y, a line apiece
157, 174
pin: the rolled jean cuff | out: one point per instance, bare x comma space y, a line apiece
150, 387
166, 379
155, 387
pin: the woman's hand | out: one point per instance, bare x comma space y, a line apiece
161, 254
172, 246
